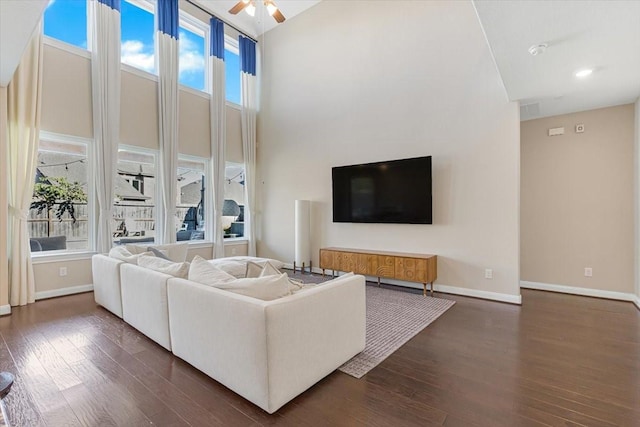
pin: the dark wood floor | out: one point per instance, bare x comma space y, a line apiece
557, 360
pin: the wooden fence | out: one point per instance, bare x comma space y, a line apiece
138, 219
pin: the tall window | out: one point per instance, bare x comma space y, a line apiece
59, 213
66, 20
192, 64
232, 77
233, 208
135, 197
191, 191
137, 34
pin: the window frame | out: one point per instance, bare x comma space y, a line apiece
157, 194
92, 219
244, 221
232, 45
61, 44
208, 201
149, 6
197, 27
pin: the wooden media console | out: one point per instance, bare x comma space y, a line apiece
420, 268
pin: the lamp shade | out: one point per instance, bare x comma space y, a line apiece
230, 208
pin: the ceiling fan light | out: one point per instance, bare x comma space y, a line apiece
251, 9
271, 8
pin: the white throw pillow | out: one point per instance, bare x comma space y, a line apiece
261, 261
266, 288
257, 270
237, 265
121, 253
201, 271
176, 252
175, 269
253, 270
235, 268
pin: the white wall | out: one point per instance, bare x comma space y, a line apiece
4, 261
346, 84
637, 200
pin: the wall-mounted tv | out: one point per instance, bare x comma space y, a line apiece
395, 191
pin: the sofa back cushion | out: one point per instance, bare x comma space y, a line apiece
175, 269
176, 252
121, 253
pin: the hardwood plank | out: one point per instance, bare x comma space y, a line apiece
556, 360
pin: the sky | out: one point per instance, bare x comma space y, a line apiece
66, 20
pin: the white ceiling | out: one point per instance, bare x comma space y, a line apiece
18, 19
603, 35
261, 22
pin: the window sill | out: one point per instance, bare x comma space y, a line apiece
235, 240
58, 256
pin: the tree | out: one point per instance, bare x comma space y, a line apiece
51, 191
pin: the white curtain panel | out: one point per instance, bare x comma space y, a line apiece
23, 113
167, 45
105, 78
248, 115
218, 131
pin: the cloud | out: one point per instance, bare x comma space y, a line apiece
139, 55
136, 54
191, 59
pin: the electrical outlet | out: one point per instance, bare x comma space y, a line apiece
588, 272
488, 273
62, 271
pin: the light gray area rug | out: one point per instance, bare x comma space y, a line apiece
393, 318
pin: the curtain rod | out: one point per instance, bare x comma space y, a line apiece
223, 20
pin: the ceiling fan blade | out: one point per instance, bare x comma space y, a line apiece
238, 7
278, 16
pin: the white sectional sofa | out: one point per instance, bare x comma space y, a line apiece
266, 351
106, 283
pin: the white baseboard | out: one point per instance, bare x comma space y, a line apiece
598, 293
476, 293
454, 290
5, 309
636, 301
63, 291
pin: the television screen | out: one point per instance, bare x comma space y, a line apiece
396, 191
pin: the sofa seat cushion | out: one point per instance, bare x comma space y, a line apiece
176, 252
175, 269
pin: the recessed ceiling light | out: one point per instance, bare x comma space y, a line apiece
538, 49
584, 73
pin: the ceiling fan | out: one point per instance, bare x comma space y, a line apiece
249, 6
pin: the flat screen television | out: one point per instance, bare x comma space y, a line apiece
396, 192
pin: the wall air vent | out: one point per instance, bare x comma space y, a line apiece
528, 111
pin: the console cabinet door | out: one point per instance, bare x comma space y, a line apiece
326, 259
386, 266
411, 269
